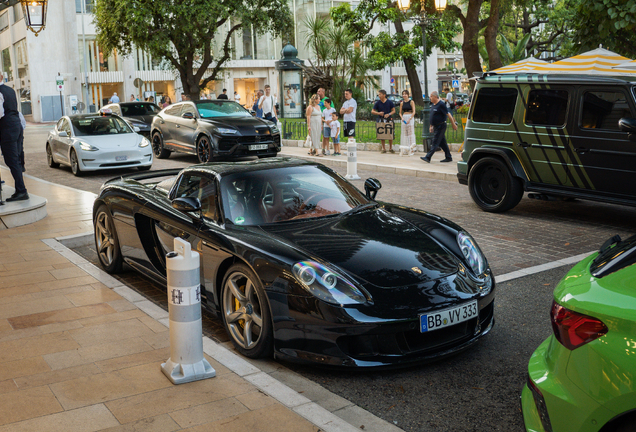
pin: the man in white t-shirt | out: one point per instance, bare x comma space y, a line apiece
237, 97
267, 103
348, 111
326, 120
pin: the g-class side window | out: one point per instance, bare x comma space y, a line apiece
603, 110
495, 105
547, 108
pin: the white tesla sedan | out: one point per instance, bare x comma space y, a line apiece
91, 142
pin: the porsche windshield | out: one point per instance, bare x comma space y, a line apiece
214, 109
284, 194
99, 125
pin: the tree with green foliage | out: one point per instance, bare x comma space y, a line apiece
183, 32
611, 23
387, 47
339, 63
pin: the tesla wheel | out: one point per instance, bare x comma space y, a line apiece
106, 241
75, 166
204, 149
246, 314
492, 186
49, 157
157, 147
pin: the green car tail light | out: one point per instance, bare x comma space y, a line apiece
539, 402
573, 329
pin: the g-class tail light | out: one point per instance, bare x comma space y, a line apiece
573, 329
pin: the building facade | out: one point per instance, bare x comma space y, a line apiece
67, 50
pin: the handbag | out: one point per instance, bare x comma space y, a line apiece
307, 142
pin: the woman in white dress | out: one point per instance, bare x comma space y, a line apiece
407, 114
314, 125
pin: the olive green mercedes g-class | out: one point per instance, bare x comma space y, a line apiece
570, 136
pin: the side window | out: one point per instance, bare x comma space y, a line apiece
189, 108
201, 187
495, 105
603, 110
66, 127
547, 108
174, 110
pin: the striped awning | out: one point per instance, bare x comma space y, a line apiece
525, 65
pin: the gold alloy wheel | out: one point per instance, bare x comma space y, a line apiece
104, 239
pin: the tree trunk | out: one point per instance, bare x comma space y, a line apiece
411, 72
470, 48
490, 35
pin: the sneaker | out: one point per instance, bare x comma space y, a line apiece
391, 151
425, 159
327, 153
447, 160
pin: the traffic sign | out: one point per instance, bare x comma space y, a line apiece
455, 83
60, 84
392, 80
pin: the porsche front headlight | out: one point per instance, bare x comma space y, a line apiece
328, 285
472, 254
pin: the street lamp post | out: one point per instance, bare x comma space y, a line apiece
423, 21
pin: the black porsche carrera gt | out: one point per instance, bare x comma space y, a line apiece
298, 262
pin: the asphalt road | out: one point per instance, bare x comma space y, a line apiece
477, 390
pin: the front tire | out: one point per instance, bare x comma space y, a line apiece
204, 149
157, 147
106, 241
75, 165
492, 186
49, 157
245, 312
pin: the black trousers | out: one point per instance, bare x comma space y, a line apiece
11, 154
21, 147
439, 140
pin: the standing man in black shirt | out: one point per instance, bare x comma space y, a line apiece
10, 129
223, 95
384, 109
439, 113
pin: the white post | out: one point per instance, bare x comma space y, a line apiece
186, 362
352, 160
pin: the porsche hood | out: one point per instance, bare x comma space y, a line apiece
376, 245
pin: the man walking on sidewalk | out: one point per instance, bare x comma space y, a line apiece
439, 113
10, 129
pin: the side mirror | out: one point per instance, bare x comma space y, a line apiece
186, 204
188, 116
136, 129
371, 187
627, 124
62, 134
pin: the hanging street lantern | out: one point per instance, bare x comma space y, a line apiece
34, 14
440, 5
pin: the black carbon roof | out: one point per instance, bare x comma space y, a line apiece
225, 168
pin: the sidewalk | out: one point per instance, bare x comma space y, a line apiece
388, 163
79, 351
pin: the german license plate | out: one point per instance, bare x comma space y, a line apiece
121, 158
449, 317
258, 147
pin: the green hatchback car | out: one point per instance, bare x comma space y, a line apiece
583, 377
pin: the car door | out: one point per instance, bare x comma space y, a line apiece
64, 143
186, 126
169, 125
604, 156
542, 140
54, 140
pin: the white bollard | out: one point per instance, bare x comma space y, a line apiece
352, 160
186, 362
